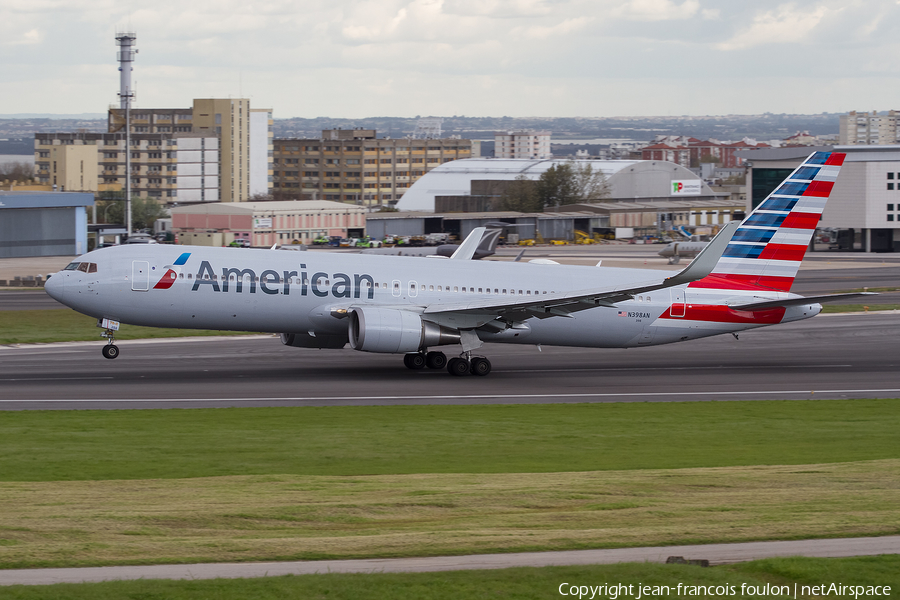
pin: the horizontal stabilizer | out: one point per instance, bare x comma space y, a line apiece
800, 301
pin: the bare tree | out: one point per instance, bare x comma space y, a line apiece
16, 171
590, 184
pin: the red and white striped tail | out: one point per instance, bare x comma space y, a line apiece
767, 248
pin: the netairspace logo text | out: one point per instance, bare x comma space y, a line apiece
614, 591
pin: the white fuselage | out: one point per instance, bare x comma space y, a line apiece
289, 292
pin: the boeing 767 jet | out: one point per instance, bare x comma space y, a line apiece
411, 305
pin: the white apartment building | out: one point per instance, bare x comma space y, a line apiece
522, 144
869, 128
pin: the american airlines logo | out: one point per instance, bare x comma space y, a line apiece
321, 284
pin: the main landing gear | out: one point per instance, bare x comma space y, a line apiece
110, 350
462, 365
420, 360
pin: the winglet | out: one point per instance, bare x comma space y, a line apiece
467, 249
707, 260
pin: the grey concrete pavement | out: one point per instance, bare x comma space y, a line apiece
715, 553
830, 356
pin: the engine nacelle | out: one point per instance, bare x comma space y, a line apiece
395, 331
304, 340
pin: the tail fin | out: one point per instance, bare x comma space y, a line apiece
767, 248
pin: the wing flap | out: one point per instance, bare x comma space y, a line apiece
562, 304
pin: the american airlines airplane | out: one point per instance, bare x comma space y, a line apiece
409, 305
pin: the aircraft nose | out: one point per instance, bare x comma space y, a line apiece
55, 286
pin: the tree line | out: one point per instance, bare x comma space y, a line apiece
565, 183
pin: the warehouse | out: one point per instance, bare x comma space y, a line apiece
43, 223
265, 223
627, 180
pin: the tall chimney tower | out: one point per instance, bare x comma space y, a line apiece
125, 41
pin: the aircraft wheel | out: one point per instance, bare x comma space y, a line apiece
480, 366
414, 361
436, 360
110, 351
458, 366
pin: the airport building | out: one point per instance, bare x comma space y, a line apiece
356, 167
627, 181
43, 223
263, 224
864, 206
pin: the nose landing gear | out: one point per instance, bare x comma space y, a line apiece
110, 350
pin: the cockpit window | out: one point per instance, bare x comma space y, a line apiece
84, 267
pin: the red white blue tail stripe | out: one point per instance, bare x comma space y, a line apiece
767, 248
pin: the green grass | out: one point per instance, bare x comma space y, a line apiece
845, 308
519, 583
294, 517
66, 325
146, 444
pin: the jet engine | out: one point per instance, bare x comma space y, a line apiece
394, 331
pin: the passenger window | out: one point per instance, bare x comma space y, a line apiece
456, 290
423, 288
504, 291
430, 288
528, 292
92, 268
83, 267
181, 276
495, 291
520, 292
190, 276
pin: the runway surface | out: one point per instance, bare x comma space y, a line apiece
714, 553
830, 356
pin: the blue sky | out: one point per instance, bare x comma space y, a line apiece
357, 58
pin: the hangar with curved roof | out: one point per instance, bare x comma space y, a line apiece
644, 180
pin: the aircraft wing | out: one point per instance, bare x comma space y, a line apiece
799, 301
480, 311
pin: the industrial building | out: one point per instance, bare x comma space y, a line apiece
43, 223
265, 223
864, 205
627, 180
556, 226
354, 166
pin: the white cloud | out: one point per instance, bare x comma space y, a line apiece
542, 32
786, 24
657, 10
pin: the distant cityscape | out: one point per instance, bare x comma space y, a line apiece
16, 131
